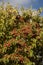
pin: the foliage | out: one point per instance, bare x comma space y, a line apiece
21, 36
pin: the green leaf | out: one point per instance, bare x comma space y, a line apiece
31, 53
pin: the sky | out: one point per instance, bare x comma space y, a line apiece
36, 4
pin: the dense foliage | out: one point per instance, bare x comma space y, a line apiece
21, 36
